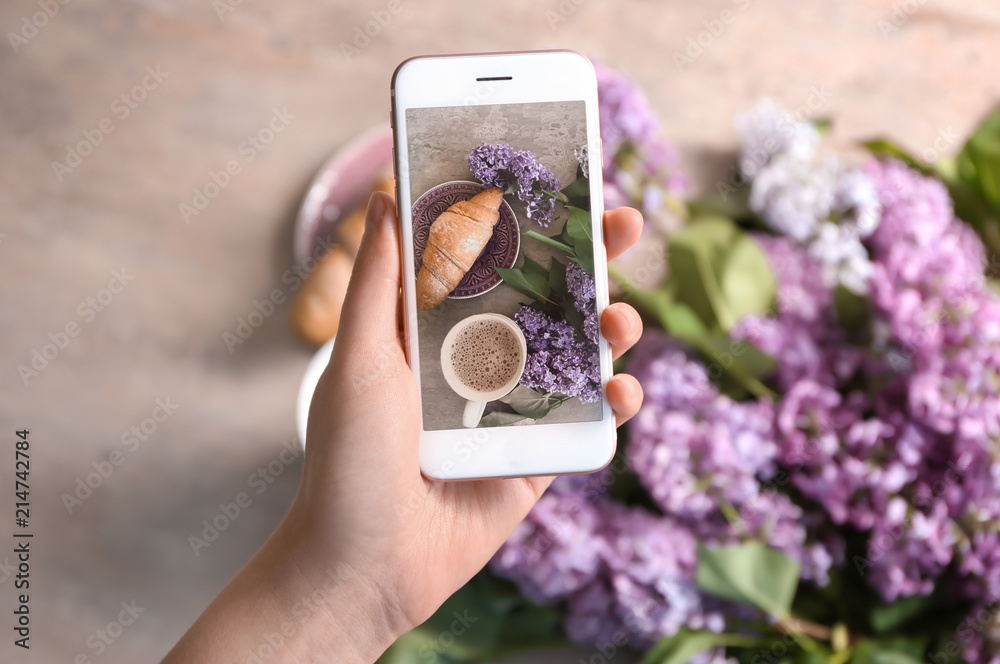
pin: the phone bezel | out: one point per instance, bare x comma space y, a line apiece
535, 76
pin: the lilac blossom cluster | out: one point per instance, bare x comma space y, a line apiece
942, 321
559, 358
640, 167
814, 199
890, 431
624, 570
898, 435
518, 171
583, 289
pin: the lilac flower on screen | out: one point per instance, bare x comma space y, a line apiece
559, 359
517, 171
584, 291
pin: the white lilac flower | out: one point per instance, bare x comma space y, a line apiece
792, 195
583, 158
856, 202
843, 258
816, 200
768, 132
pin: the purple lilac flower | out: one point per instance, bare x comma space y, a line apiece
930, 298
622, 570
917, 210
646, 587
908, 549
695, 449
980, 632
559, 359
490, 164
556, 550
500, 166
584, 291
636, 159
802, 333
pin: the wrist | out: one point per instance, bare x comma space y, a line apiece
327, 604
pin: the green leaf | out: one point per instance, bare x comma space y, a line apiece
729, 352
747, 282
501, 418
885, 618
557, 278
679, 320
823, 125
697, 256
485, 619
585, 261
551, 241
531, 403
580, 230
873, 652
982, 152
731, 201
534, 272
527, 281
685, 644
750, 573
579, 225
577, 192
883, 147
852, 309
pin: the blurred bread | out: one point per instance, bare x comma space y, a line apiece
315, 311
352, 226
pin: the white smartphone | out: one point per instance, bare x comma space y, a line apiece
498, 188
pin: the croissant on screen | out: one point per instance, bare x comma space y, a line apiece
456, 239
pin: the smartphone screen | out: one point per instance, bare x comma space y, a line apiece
503, 260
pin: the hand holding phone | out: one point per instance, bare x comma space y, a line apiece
498, 171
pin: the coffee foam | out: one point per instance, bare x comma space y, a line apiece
485, 355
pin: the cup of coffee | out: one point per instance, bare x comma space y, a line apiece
482, 359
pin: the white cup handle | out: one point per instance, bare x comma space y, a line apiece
473, 413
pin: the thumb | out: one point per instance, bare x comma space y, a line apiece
368, 320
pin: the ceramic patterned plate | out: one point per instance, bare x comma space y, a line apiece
500, 251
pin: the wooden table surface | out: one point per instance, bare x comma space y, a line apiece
116, 114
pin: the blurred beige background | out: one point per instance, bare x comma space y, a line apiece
221, 69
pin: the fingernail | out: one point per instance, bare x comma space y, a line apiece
376, 210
